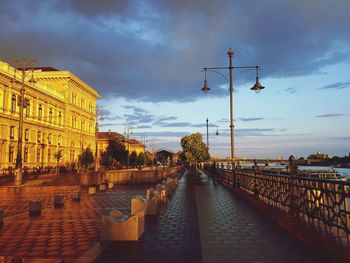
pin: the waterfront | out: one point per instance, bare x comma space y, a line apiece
343, 171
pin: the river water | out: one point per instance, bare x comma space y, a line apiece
344, 171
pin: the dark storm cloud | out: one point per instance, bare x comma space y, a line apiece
330, 115
94, 8
154, 50
337, 85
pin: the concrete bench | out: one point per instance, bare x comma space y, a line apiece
58, 201
92, 190
141, 206
118, 226
35, 207
1, 218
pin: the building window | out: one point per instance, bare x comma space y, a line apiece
74, 122
39, 136
50, 115
38, 155
82, 125
12, 132
60, 118
40, 112
26, 135
27, 108
11, 153
59, 140
49, 155
82, 102
49, 138
13, 103
74, 98
25, 157
72, 153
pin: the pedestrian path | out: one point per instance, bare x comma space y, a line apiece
206, 222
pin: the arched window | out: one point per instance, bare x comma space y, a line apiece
60, 118
27, 105
13, 103
50, 115
25, 157
40, 112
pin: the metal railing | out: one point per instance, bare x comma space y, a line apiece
322, 203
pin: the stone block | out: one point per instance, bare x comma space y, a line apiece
118, 226
1, 218
35, 207
141, 206
76, 196
102, 187
92, 190
58, 201
110, 185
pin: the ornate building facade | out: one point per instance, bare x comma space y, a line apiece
59, 114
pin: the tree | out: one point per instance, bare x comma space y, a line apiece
193, 149
58, 156
86, 158
133, 160
142, 158
115, 152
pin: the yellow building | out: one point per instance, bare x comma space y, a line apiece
130, 144
61, 115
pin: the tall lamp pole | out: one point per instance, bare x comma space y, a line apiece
257, 87
207, 134
23, 65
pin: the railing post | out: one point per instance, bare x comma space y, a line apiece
256, 170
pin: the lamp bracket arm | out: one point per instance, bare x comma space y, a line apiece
217, 72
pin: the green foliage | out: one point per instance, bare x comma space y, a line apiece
193, 149
115, 152
58, 155
86, 158
142, 159
133, 159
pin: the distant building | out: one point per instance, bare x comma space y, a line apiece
130, 145
164, 156
318, 156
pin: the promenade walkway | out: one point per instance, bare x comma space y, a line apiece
205, 222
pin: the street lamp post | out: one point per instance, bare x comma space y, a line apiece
257, 87
207, 134
23, 103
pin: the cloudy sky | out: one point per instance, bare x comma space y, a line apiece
145, 59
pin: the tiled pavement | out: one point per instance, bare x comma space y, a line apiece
58, 232
173, 236
205, 222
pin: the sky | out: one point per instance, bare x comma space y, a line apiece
145, 58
